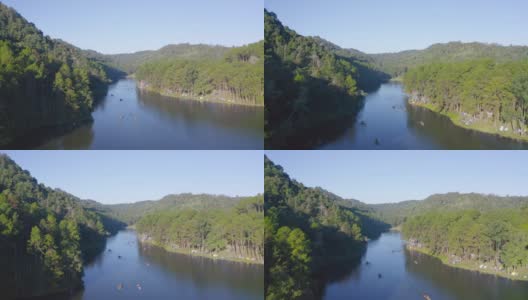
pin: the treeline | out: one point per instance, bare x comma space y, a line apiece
237, 78
479, 93
397, 64
308, 231
397, 213
45, 235
495, 240
234, 233
43, 82
309, 87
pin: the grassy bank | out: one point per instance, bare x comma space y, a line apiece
220, 255
473, 266
481, 126
208, 98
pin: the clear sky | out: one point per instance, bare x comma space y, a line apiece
375, 26
393, 176
122, 26
130, 176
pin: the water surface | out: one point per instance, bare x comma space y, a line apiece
387, 121
165, 275
408, 275
131, 119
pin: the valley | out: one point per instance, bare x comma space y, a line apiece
318, 93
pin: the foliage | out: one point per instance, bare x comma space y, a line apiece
43, 82
397, 64
479, 90
238, 77
306, 231
238, 230
498, 237
310, 85
45, 234
396, 213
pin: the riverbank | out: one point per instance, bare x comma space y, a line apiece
192, 252
480, 126
474, 266
213, 97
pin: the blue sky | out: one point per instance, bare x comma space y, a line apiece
130, 176
120, 26
375, 26
393, 176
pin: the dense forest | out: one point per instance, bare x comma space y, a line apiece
236, 232
311, 86
483, 94
237, 77
496, 240
397, 213
43, 82
45, 235
308, 231
397, 64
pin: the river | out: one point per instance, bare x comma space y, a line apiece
389, 119
128, 118
165, 275
408, 275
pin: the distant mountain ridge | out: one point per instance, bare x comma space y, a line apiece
130, 213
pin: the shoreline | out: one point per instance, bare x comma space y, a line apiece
204, 255
456, 122
523, 276
194, 98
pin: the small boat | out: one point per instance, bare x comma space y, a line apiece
426, 297
120, 286
138, 286
377, 141
422, 123
119, 256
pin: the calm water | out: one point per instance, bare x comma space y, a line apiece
407, 275
388, 118
165, 275
149, 121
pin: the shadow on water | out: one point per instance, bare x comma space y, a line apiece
387, 121
131, 119
392, 272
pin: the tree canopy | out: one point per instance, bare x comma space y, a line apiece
306, 231
237, 78
311, 85
43, 82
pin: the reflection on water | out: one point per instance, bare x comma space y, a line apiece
131, 119
387, 121
146, 272
409, 275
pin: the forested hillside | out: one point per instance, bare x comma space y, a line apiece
236, 78
396, 213
397, 64
43, 82
311, 86
308, 230
45, 235
131, 213
235, 231
494, 241
130, 62
482, 94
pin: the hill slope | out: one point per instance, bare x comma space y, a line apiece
399, 63
43, 82
306, 231
311, 86
45, 235
397, 213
